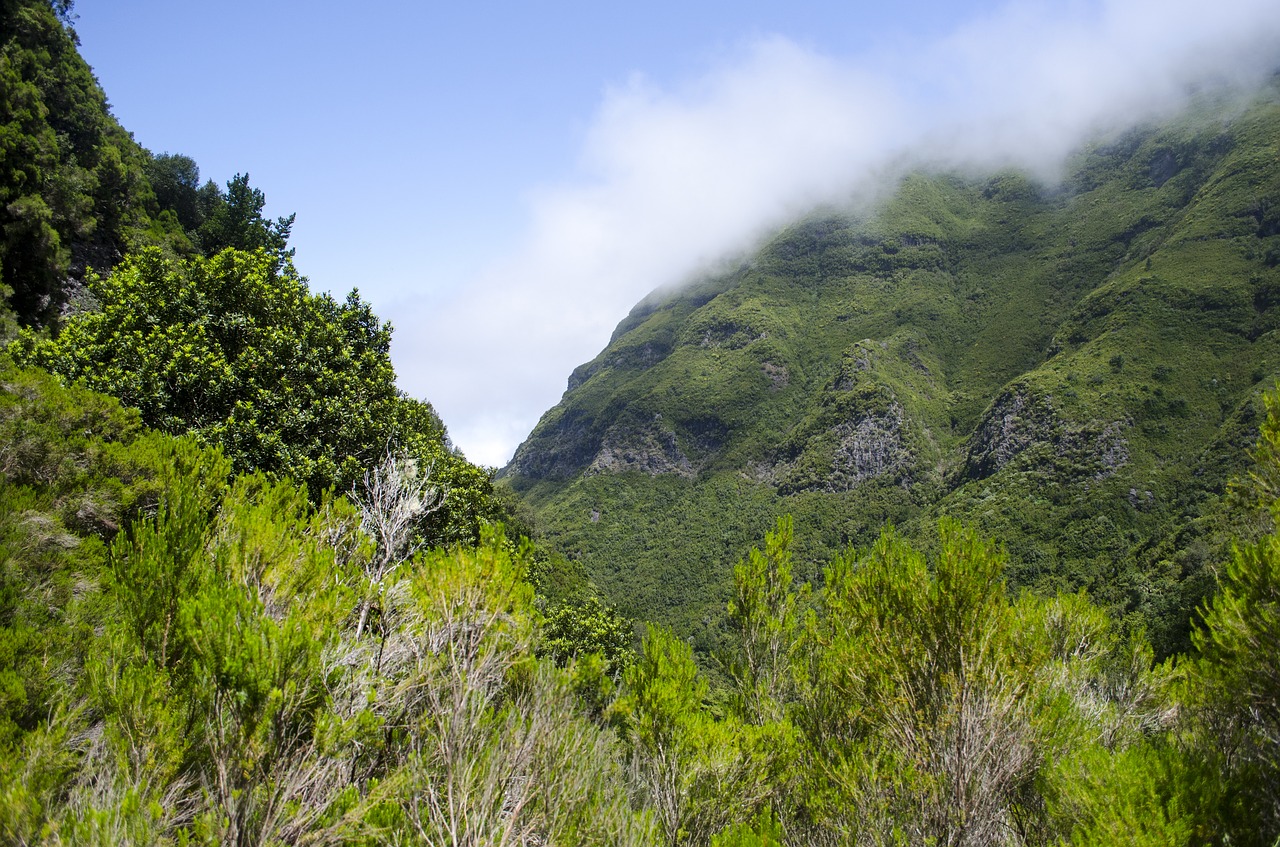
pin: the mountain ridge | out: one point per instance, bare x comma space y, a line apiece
1050, 362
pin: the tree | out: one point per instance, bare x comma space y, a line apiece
589, 626
236, 221
393, 497
72, 188
933, 705
765, 610
237, 351
175, 179
698, 773
1234, 683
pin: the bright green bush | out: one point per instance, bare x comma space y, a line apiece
236, 351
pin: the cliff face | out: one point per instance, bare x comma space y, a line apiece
1074, 368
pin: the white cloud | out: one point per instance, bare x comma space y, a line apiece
673, 180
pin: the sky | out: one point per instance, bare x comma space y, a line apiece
504, 181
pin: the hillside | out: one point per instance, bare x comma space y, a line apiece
1074, 368
251, 595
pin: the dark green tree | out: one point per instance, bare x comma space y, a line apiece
589, 626
72, 188
1233, 684
235, 220
175, 179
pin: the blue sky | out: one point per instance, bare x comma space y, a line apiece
503, 181
407, 136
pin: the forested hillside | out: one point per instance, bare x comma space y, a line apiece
251, 595
1075, 368
182, 300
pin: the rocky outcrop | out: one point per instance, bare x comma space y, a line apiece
648, 449
874, 445
1095, 451
562, 449
779, 376
1018, 419
868, 448
1022, 419
638, 357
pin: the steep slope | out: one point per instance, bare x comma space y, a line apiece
121, 272
1074, 368
72, 187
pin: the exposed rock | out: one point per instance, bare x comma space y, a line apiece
651, 450
911, 350
1141, 500
628, 358
557, 452
731, 335
778, 375
765, 472
1021, 419
874, 445
856, 362
1164, 166
1104, 447
1017, 420
703, 437
868, 448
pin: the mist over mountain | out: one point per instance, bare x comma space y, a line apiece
251, 593
1073, 365
672, 179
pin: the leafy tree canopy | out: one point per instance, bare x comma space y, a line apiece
235, 350
235, 220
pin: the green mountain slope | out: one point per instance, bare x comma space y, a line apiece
1075, 369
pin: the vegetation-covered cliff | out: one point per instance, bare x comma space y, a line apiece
250, 595
1076, 368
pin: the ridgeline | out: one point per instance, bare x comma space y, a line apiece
251, 595
1077, 369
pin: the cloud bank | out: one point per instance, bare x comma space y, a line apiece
671, 180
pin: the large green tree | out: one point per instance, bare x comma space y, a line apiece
234, 219
1233, 679
236, 350
175, 179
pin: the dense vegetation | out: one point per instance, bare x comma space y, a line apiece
236, 351
240, 665
249, 594
182, 300
1074, 368
77, 192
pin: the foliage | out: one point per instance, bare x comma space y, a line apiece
175, 180
767, 614
698, 774
764, 831
1074, 368
933, 703
1233, 685
74, 468
194, 648
235, 220
72, 188
213, 684
77, 192
238, 352
201, 662
588, 626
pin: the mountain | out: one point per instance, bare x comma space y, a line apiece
204, 640
1075, 368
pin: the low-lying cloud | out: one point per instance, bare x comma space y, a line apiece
671, 180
